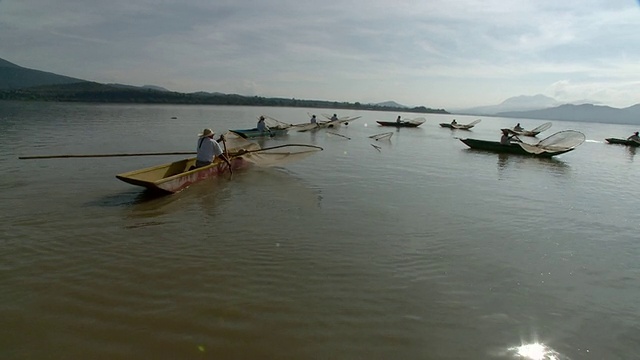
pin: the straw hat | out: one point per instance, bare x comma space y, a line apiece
206, 133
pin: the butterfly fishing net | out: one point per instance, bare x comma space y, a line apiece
279, 155
237, 146
467, 126
273, 123
559, 142
417, 121
383, 136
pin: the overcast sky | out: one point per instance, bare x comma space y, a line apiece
438, 53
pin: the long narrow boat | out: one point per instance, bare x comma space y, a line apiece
622, 142
534, 132
512, 148
175, 176
460, 126
398, 124
255, 133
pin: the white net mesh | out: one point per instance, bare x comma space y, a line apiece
279, 155
383, 136
558, 142
274, 123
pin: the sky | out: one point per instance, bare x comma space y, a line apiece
442, 54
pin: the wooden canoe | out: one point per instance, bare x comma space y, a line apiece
456, 127
255, 133
175, 176
513, 148
398, 124
622, 142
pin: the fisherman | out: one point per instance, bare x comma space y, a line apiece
209, 149
517, 127
506, 137
398, 120
261, 125
454, 122
634, 137
313, 119
334, 117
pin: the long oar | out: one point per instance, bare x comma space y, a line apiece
103, 155
275, 147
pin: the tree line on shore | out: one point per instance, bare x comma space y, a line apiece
102, 93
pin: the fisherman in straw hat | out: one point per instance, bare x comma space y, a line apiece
208, 149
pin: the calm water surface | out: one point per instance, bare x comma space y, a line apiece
421, 250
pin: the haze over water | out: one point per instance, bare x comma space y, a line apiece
421, 250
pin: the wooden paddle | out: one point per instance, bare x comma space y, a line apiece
104, 155
226, 154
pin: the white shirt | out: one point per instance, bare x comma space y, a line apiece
262, 126
208, 149
313, 120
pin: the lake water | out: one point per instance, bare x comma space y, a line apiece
422, 249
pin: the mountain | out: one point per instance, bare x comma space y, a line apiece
22, 84
517, 103
584, 112
13, 76
392, 104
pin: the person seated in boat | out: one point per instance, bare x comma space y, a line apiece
261, 125
507, 137
209, 149
517, 127
334, 117
634, 137
454, 122
398, 120
313, 119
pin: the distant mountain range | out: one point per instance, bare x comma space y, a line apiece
19, 83
546, 108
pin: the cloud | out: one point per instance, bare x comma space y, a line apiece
376, 49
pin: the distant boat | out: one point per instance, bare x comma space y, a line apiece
255, 133
622, 142
533, 132
460, 126
405, 123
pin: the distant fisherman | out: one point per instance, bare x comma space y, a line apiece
398, 120
313, 119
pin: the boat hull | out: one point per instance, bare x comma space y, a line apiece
255, 133
622, 142
398, 124
173, 177
495, 146
456, 127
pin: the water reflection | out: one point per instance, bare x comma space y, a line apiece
549, 165
631, 152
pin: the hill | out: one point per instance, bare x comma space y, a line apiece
516, 103
584, 112
13, 76
22, 84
